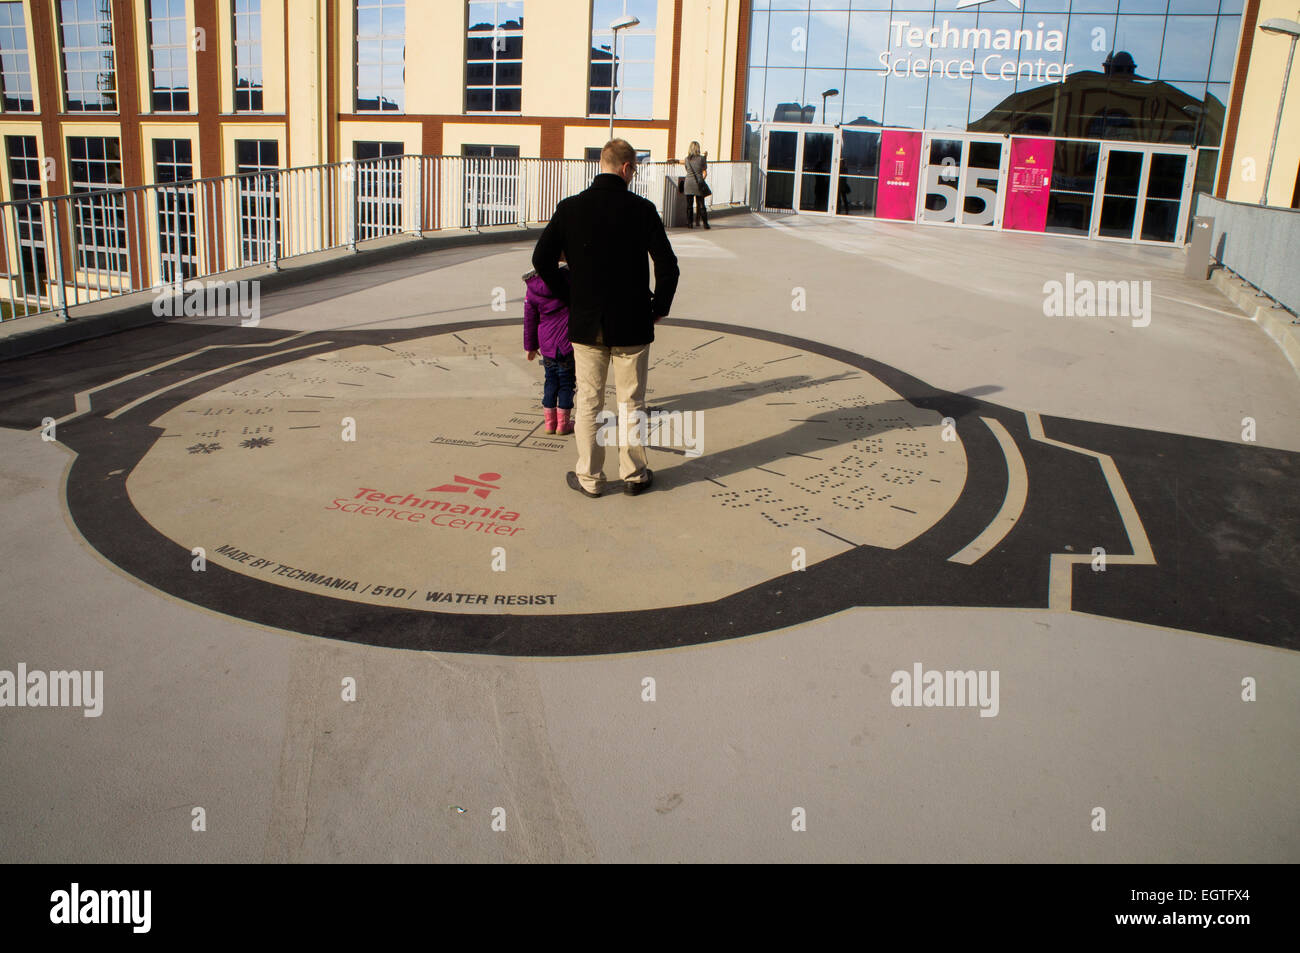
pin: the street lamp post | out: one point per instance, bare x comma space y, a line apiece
1286, 28
622, 23
829, 92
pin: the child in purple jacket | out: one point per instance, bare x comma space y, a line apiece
546, 329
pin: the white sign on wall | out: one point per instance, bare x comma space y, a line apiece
967, 46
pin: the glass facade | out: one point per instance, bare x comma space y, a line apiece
1139, 70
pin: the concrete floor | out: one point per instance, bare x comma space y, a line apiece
247, 722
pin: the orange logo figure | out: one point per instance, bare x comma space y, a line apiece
465, 483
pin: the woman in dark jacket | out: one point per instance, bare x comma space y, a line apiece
697, 170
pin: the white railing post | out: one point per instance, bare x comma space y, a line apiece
60, 297
351, 176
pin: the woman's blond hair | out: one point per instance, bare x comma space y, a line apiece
694, 149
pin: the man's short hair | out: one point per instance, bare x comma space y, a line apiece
616, 153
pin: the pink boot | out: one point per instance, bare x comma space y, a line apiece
565, 421
549, 414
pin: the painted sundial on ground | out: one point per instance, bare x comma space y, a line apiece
235, 447
451, 477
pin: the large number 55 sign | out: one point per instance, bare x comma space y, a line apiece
980, 195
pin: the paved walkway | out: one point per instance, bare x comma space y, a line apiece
656, 678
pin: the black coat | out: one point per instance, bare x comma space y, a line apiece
605, 233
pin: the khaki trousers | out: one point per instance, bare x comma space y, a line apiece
592, 366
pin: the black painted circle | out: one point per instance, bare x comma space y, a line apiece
918, 573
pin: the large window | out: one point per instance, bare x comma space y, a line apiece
177, 236
25, 183
15, 71
494, 53
247, 17
627, 81
169, 62
379, 188
99, 220
89, 77
259, 199
381, 56
491, 185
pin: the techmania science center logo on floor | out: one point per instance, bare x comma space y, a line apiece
444, 514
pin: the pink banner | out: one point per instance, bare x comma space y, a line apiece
900, 161
1031, 181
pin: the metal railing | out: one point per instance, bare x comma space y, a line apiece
1258, 244
62, 251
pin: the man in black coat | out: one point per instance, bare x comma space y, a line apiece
605, 233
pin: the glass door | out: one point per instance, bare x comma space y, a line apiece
815, 171
859, 172
1142, 193
798, 162
962, 180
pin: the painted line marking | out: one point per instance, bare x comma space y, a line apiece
707, 343
840, 538
81, 400
349, 384
773, 472
460, 339
320, 396
1013, 503
790, 453
302, 411
382, 374
903, 508
162, 390
778, 360
307, 427
1061, 589
808, 420
711, 480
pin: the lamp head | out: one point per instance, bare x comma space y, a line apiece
1280, 25
623, 22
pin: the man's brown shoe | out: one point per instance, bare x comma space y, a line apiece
632, 489
571, 478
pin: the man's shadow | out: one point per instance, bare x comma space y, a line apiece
716, 397
823, 436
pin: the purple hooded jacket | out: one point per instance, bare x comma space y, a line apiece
546, 318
